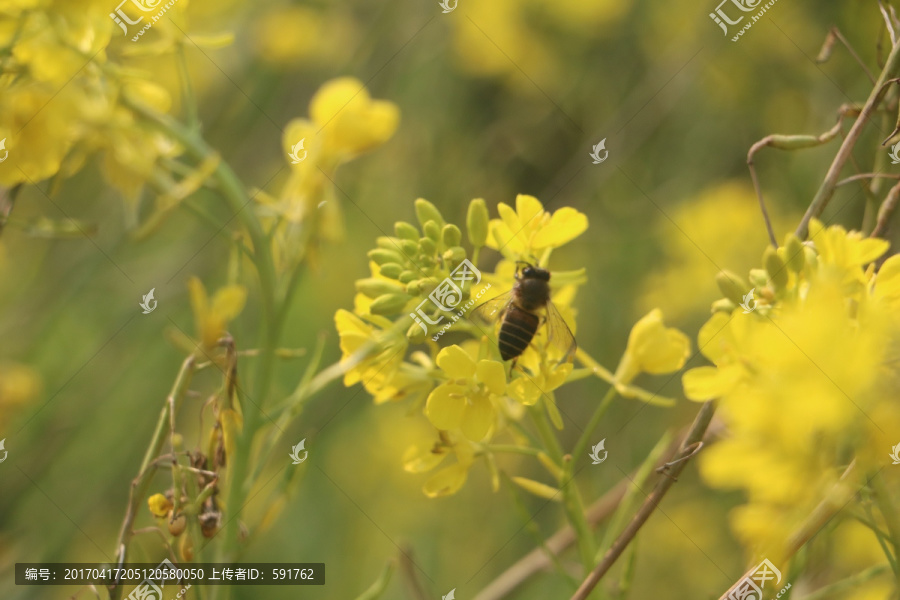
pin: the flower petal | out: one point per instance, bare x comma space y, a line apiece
456, 363
492, 374
565, 225
445, 406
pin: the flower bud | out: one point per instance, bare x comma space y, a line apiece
775, 267
388, 243
413, 288
477, 222
405, 231
455, 255
391, 270
810, 257
451, 235
382, 255
426, 211
373, 287
759, 278
407, 276
732, 286
389, 304
793, 253
433, 230
410, 247
427, 246
415, 334
723, 305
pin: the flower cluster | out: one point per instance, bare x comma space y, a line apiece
67, 94
423, 282
344, 122
805, 377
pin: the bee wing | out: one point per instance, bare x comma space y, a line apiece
559, 335
493, 310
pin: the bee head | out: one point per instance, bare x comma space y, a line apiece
532, 272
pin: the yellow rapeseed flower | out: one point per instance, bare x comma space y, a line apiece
466, 400
212, 317
652, 348
528, 230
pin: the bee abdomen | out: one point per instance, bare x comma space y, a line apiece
516, 332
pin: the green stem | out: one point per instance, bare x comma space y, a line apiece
572, 502
889, 512
585, 438
234, 194
512, 449
848, 584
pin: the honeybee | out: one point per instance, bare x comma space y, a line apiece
519, 313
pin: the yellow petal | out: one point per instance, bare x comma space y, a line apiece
707, 383
445, 482
525, 391
418, 458
229, 301
565, 225
445, 406
159, 505
528, 209
477, 418
454, 361
492, 374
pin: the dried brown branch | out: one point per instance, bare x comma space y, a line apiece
694, 435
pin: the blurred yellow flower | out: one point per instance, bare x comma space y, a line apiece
529, 230
797, 404
159, 505
652, 348
19, 384
448, 480
212, 318
377, 370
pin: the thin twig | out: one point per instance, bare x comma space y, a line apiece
886, 210
859, 176
835, 34
694, 435
826, 190
888, 23
791, 142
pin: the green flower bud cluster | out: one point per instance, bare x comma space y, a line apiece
782, 267
417, 259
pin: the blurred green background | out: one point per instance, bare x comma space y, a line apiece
496, 98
